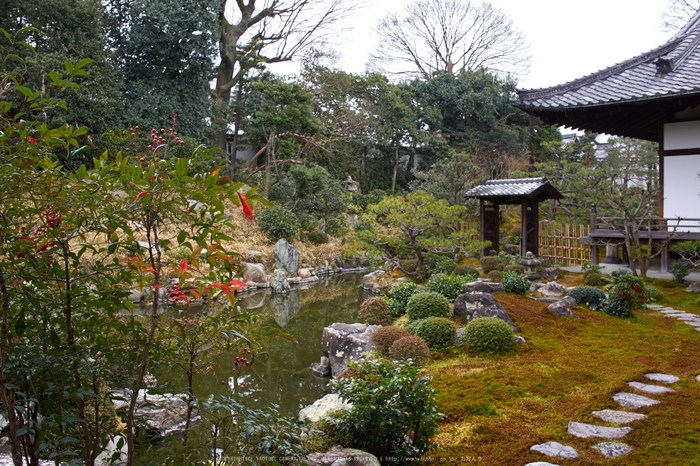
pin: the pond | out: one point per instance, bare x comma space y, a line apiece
281, 374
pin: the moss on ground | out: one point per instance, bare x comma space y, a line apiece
496, 408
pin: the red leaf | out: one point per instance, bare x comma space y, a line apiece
158, 287
31, 140
151, 271
140, 195
246, 208
183, 266
226, 289
237, 283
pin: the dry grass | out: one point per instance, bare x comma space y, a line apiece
498, 407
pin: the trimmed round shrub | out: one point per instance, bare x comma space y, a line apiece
490, 263
595, 279
467, 270
515, 283
489, 335
495, 276
317, 237
437, 332
653, 294
616, 274
400, 294
410, 347
384, 337
428, 304
681, 269
450, 286
588, 295
501, 267
616, 306
279, 222
439, 264
375, 311
517, 268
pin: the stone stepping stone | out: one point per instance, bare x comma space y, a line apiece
689, 317
669, 311
694, 323
663, 378
582, 430
619, 417
653, 389
679, 315
541, 463
655, 307
634, 401
556, 450
610, 449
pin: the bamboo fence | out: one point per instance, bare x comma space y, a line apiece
559, 242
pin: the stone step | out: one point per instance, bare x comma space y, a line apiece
582, 430
541, 463
634, 401
694, 323
618, 417
610, 449
653, 389
663, 378
555, 450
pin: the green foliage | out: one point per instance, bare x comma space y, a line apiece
595, 279
427, 304
681, 269
375, 311
507, 258
517, 268
450, 286
449, 178
516, 283
410, 347
400, 295
466, 270
688, 250
495, 276
489, 335
588, 295
490, 263
364, 200
395, 411
279, 222
652, 294
588, 267
438, 264
384, 337
437, 332
317, 237
335, 226
616, 274
409, 265
626, 295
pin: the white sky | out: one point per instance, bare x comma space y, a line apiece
568, 38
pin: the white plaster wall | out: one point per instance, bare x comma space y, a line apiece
682, 186
683, 135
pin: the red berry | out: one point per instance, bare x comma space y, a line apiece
222, 382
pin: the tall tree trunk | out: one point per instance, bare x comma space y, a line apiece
236, 126
396, 169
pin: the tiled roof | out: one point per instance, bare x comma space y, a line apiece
667, 71
520, 187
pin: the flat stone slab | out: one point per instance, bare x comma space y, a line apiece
611, 449
582, 430
663, 378
556, 450
653, 389
694, 323
679, 314
669, 311
619, 417
541, 463
634, 401
689, 317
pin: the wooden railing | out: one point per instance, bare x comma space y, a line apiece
654, 224
559, 242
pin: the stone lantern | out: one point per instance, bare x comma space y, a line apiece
530, 263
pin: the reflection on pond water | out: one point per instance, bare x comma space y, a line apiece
281, 375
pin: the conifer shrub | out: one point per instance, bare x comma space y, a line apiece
495, 276
653, 294
450, 286
375, 311
384, 337
427, 304
400, 294
437, 332
467, 270
616, 274
595, 279
439, 264
317, 237
515, 283
279, 222
490, 263
588, 295
488, 335
681, 269
409, 265
517, 268
410, 347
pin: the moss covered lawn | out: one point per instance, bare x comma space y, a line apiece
497, 407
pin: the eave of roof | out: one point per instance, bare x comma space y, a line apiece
520, 188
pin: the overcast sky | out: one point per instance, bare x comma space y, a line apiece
568, 38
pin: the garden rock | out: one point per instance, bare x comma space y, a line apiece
286, 257
346, 342
618, 417
324, 407
553, 289
610, 449
253, 300
469, 306
6, 460
337, 261
285, 307
458, 335
251, 255
165, 414
582, 430
340, 456
278, 281
550, 273
555, 450
560, 309
374, 276
541, 463
304, 273
634, 401
482, 287
693, 288
518, 339
653, 389
253, 272
321, 369
569, 301
105, 458
663, 378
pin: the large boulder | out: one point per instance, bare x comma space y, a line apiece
160, 414
560, 309
342, 343
469, 306
341, 456
550, 273
693, 287
553, 289
286, 257
482, 287
324, 407
254, 273
278, 281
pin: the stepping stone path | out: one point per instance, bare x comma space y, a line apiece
630, 400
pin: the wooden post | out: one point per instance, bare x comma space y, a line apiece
592, 228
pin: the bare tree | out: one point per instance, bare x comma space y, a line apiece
448, 35
270, 31
678, 13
